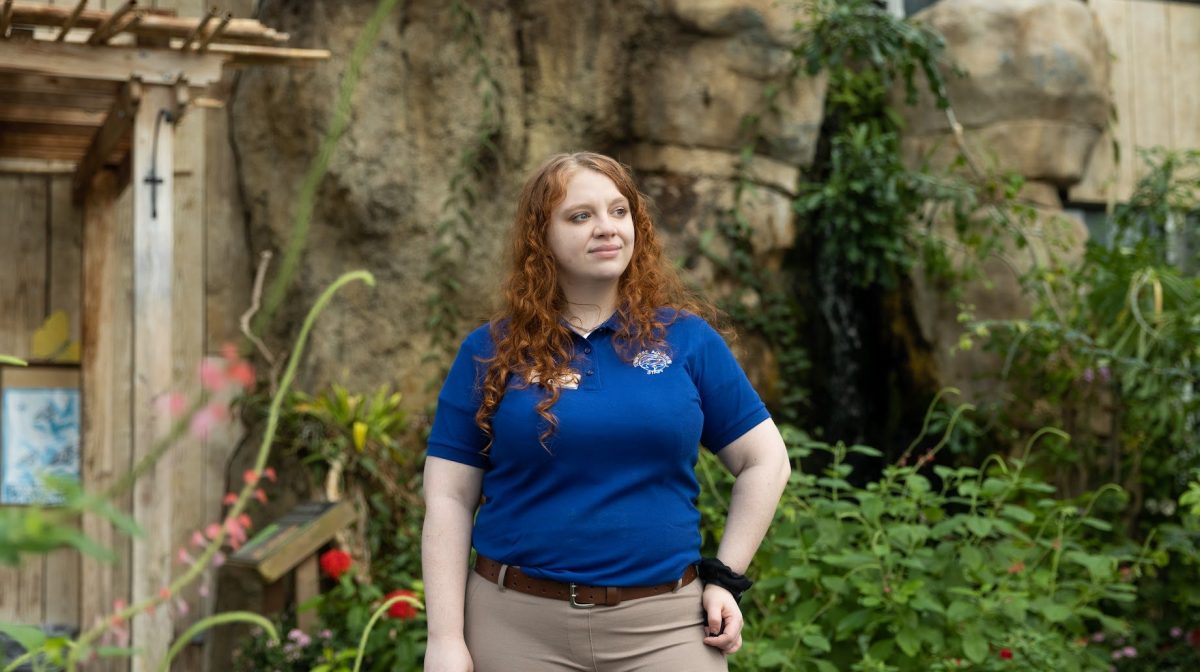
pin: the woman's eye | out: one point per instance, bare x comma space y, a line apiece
580, 217
620, 212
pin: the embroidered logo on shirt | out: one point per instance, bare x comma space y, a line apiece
652, 361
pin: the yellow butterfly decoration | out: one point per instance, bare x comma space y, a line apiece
52, 342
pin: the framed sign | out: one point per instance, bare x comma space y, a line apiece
40, 420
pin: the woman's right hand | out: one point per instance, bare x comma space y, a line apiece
448, 655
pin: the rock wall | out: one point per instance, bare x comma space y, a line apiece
1035, 102
664, 86
661, 84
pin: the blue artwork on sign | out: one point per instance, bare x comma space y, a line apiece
40, 435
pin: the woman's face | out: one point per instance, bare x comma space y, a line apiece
591, 231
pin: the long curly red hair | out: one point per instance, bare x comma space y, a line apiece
533, 345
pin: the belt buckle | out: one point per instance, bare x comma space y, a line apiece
579, 605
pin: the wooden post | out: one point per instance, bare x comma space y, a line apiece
308, 586
152, 180
107, 367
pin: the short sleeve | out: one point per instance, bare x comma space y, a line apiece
730, 405
455, 436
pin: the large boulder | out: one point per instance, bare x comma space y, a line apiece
1050, 238
1035, 98
698, 89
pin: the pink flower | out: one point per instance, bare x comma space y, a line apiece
212, 375
198, 539
207, 419
212, 530
260, 495
172, 404
237, 532
242, 373
250, 477
269, 472
230, 499
185, 558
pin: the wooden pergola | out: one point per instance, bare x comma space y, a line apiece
99, 94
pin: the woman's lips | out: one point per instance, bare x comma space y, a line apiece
606, 251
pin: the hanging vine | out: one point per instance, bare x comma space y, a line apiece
453, 231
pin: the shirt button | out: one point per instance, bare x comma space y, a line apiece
587, 351
590, 372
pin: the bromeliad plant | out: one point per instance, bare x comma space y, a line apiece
930, 567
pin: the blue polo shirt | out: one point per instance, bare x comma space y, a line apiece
611, 499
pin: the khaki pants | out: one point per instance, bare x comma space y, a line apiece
508, 631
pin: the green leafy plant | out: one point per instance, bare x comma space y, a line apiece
931, 567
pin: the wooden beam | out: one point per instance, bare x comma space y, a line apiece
112, 63
242, 31
107, 27
43, 145
199, 30
47, 100
107, 370
39, 128
153, 374
6, 15
214, 33
65, 116
10, 82
36, 166
116, 128
70, 22
244, 54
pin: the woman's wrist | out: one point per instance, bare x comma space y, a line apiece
713, 572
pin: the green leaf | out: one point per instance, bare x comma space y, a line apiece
909, 641
1017, 513
979, 525
975, 646
817, 643
27, 636
852, 622
960, 611
1054, 612
971, 557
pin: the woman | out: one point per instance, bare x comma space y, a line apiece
577, 414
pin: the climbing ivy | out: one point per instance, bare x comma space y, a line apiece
861, 198
453, 231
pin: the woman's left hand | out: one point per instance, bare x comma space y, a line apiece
724, 626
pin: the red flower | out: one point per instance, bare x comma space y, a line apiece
335, 562
1193, 637
403, 609
1006, 653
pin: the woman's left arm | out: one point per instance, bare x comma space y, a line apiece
759, 463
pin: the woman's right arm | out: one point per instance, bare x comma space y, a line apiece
451, 497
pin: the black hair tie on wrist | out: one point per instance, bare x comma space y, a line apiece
712, 570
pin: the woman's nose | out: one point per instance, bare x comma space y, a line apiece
604, 226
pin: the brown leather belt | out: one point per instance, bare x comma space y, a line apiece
580, 596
